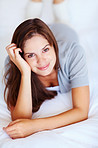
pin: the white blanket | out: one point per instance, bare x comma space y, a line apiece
80, 135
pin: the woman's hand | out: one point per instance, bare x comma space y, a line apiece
20, 128
16, 58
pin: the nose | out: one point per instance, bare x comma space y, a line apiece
40, 60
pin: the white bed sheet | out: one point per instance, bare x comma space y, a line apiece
80, 135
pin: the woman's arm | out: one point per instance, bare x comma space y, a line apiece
79, 112
23, 107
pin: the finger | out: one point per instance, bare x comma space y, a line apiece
16, 51
9, 46
10, 51
14, 122
13, 134
9, 128
12, 44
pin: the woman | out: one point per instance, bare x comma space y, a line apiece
37, 62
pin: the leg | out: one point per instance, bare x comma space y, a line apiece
61, 11
34, 9
47, 12
57, 1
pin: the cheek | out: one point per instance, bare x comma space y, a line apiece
32, 63
53, 56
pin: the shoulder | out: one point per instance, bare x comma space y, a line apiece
68, 43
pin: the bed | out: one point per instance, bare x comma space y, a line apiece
79, 135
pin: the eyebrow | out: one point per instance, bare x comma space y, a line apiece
41, 49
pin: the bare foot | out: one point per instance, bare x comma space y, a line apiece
36, 0
57, 1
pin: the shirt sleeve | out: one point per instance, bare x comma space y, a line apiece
78, 72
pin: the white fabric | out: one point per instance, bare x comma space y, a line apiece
61, 12
80, 135
80, 14
40, 10
55, 88
33, 9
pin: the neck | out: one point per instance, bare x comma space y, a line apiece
49, 79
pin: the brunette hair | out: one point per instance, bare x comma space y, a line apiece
12, 76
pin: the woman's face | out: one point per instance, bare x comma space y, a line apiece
40, 55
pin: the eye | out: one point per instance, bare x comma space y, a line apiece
31, 55
45, 50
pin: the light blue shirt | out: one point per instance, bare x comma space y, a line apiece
73, 72
73, 68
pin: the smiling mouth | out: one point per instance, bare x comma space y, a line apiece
44, 68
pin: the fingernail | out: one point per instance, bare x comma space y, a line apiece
3, 128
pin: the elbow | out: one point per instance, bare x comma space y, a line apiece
85, 117
16, 117
84, 114
19, 114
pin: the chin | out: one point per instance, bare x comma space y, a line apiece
45, 73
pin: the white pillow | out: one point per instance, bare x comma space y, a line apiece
42, 10
57, 105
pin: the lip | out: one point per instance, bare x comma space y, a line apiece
44, 68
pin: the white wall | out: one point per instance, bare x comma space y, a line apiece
82, 15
